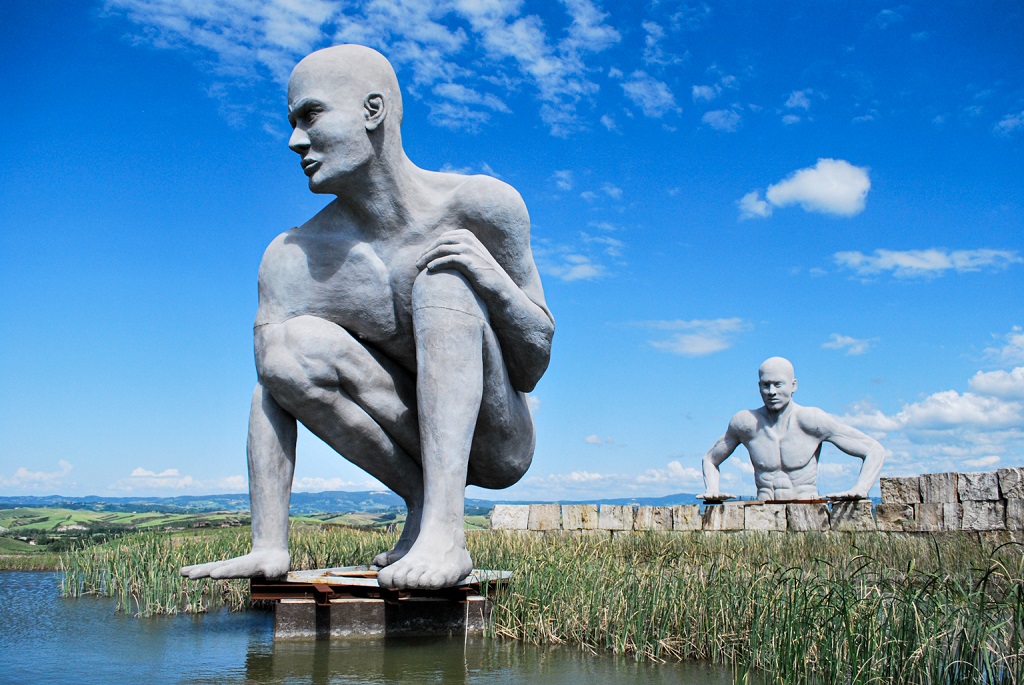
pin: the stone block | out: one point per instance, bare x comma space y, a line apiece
545, 517
984, 516
900, 490
615, 517
579, 516
510, 517
652, 518
727, 516
804, 518
952, 515
938, 487
1015, 514
978, 487
1011, 483
853, 516
894, 517
686, 517
927, 518
765, 517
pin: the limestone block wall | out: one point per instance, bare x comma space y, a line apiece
934, 502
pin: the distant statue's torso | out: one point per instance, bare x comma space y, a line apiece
784, 454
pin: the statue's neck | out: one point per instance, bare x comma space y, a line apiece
383, 199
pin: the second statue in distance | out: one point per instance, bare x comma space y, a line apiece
403, 325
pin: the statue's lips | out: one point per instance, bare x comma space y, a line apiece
309, 166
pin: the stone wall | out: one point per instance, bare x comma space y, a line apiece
920, 504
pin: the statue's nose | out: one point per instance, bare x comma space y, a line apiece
299, 141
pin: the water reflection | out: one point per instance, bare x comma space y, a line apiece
44, 639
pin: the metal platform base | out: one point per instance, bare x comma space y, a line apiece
348, 602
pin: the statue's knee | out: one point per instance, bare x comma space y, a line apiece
447, 289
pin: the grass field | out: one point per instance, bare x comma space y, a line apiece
809, 608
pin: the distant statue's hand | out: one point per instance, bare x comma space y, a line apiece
715, 496
849, 494
461, 250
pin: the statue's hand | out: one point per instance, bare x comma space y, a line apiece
849, 494
461, 250
715, 496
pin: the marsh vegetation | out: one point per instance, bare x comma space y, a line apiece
800, 608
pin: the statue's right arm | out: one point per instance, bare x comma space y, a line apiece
719, 452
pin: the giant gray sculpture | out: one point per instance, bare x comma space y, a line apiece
784, 441
403, 325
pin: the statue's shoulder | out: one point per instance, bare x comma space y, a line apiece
487, 200
814, 421
744, 423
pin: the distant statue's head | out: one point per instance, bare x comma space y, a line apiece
776, 383
345, 107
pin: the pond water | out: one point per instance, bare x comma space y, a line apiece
46, 639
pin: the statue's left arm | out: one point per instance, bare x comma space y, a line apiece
856, 444
492, 250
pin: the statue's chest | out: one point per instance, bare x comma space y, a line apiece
348, 284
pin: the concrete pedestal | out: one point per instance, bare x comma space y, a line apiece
356, 617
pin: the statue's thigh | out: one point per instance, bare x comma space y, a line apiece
307, 354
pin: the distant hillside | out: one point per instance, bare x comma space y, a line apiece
303, 503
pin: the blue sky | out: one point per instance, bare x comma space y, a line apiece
709, 185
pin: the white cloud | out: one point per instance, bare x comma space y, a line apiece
798, 99
888, 17
145, 480
1012, 351
949, 408
652, 96
982, 462
612, 191
699, 337
790, 119
1009, 124
705, 93
832, 186
752, 206
674, 472
852, 346
926, 263
315, 484
609, 123
1004, 384
23, 478
722, 119
244, 41
592, 440
562, 179
567, 263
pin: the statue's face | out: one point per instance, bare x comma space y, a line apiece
329, 128
776, 386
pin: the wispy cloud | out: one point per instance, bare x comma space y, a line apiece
698, 337
1010, 349
927, 263
245, 41
1010, 123
722, 119
832, 186
798, 99
26, 479
652, 96
142, 480
849, 345
1003, 384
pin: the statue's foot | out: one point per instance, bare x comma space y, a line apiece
256, 564
425, 568
392, 555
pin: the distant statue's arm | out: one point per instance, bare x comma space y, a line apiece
519, 316
856, 444
719, 452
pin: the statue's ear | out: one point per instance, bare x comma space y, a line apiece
794, 385
374, 110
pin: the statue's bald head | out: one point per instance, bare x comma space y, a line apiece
776, 366
352, 71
